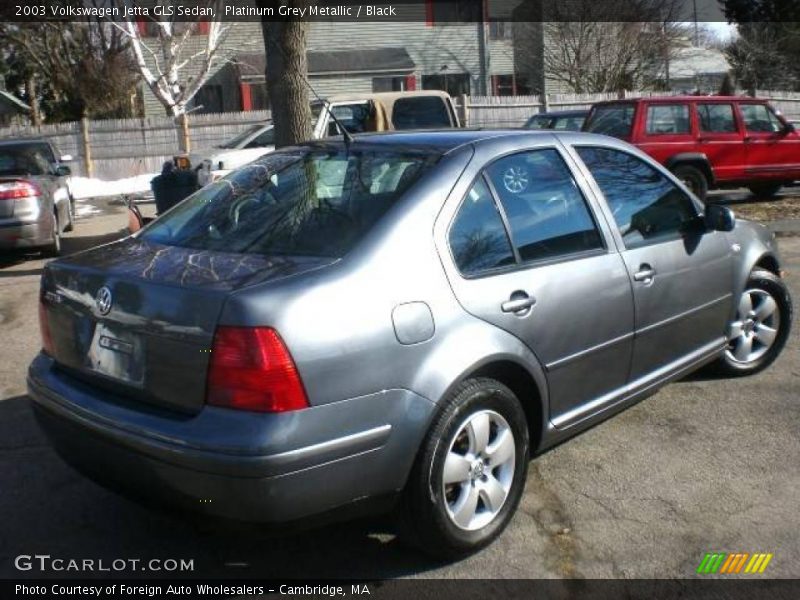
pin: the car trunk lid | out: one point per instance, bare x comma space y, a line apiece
139, 318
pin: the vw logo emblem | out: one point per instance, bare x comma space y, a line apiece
103, 300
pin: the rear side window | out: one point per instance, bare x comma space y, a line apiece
311, 202
478, 239
423, 112
612, 119
647, 206
25, 159
716, 118
760, 119
546, 211
666, 119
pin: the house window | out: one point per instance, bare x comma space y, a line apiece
389, 84
504, 85
500, 30
454, 84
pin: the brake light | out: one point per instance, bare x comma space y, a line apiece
44, 328
251, 369
11, 190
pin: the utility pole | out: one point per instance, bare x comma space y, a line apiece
483, 50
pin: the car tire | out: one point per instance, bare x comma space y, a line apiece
469, 444
694, 179
70, 215
760, 328
765, 190
54, 248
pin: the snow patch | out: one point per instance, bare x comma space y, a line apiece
85, 187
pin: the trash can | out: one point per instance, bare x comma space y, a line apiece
172, 186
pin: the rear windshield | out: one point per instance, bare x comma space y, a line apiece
308, 202
25, 159
612, 119
424, 112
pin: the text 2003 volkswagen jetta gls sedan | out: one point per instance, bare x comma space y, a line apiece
406, 317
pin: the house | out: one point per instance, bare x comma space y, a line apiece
433, 52
13, 111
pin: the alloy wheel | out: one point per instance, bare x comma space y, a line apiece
752, 334
479, 470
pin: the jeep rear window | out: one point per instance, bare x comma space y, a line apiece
424, 112
612, 119
308, 202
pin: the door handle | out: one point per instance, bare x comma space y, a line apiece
645, 273
518, 303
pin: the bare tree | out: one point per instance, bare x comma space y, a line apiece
593, 46
172, 62
285, 44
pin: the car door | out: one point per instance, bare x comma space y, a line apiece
720, 139
681, 274
771, 150
533, 259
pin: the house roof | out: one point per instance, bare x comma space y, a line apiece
375, 60
691, 61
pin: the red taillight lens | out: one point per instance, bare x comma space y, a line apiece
11, 190
251, 369
44, 328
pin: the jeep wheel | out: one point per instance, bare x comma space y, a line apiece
694, 179
470, 472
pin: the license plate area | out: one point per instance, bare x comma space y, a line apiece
117, 354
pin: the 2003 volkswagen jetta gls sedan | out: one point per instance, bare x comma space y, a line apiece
399, 320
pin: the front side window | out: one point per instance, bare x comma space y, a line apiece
265, 138
546, 211
716, 118
612, 119
308, 202
758, 118
478, 239
647, 206
665, 119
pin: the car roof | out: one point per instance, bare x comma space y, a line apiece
683, 98
562, 113
23, 141
447, 140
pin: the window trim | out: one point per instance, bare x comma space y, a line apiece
519, 264
601, 197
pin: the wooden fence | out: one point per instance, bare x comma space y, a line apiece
119, 148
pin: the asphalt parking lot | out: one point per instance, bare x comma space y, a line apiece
704, 465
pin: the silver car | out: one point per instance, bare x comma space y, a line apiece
36, 206
398, 322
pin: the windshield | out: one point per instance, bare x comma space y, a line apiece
309, 202
25, 159
240, 139
612, 119
538, 122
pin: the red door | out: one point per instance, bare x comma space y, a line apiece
664, 129
719, 137
772, 150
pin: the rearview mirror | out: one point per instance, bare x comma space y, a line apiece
719, 218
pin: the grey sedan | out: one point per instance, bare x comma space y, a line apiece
35, 204
397, 322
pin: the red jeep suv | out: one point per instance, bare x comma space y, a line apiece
707, 141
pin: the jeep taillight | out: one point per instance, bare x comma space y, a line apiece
251, 369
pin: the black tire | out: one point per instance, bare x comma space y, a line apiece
54, 248
694, 179
765, 190
424, 518
70, 215
760, 282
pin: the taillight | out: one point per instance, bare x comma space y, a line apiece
251, 369
44, 328
11, 190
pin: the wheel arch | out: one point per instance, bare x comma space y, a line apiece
694, 159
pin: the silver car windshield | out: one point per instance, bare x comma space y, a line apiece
310, 202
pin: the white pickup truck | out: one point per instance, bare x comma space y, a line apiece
357, 113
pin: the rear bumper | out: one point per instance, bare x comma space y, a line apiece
18, 234
269, 468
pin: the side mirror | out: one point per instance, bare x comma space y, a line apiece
66, 158
62, 171
788, 128
719, 218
